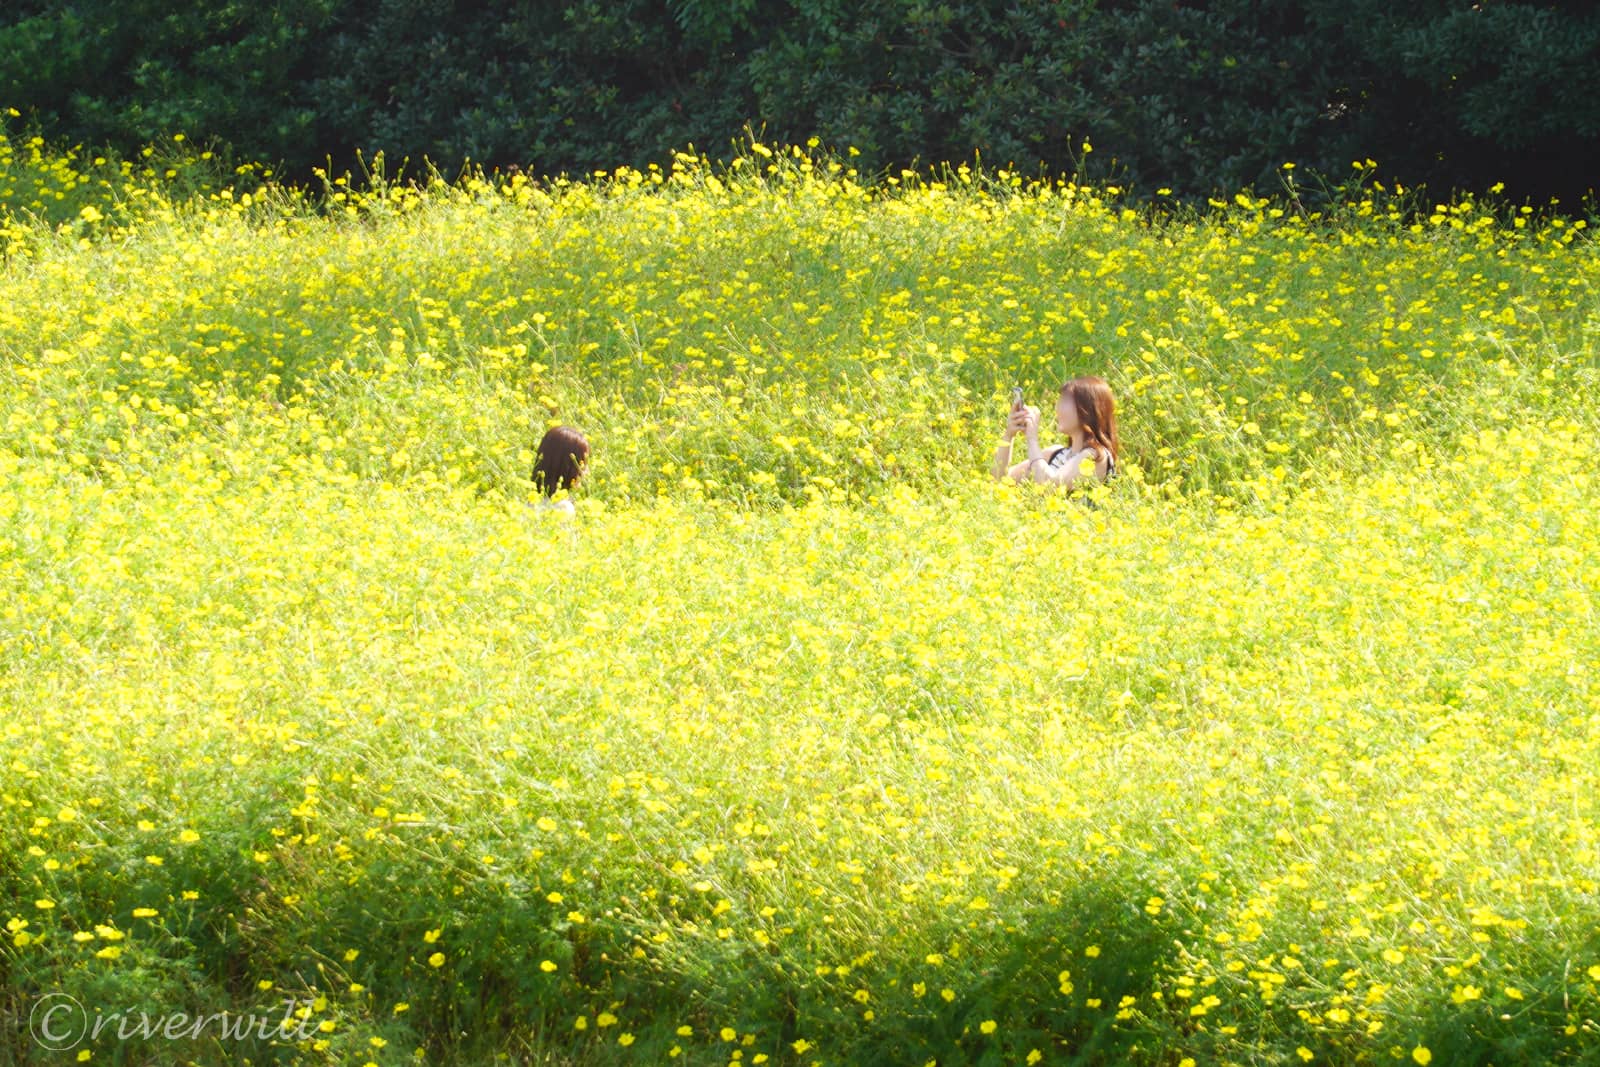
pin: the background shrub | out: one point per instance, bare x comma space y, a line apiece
1184, 96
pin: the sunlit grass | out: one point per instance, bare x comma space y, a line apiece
804, 741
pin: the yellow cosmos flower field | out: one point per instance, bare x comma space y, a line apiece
802, 742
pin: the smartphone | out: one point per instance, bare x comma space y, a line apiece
1016, 398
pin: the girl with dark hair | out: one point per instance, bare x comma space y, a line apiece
1086, 413
563, 457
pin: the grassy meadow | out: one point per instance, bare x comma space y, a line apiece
803, 741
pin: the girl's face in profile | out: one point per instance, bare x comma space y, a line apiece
1066, 414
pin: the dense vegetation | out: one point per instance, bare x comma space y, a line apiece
803, 741
1192, 97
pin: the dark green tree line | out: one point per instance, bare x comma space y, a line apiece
1192, 96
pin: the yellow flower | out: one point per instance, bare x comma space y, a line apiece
256, 410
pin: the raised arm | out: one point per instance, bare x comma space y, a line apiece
1002, 466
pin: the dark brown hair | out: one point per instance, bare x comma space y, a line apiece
562, 454
1097, 412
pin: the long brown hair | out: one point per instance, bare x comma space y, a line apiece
562, 454
1097, 412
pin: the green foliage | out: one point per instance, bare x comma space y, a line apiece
1194, 97
1476, 94
802, 739
134, 72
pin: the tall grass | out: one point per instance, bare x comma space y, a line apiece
805, 742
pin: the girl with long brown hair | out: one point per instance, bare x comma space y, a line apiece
1086, 413
563, 456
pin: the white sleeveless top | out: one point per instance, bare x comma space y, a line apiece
1059, 460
